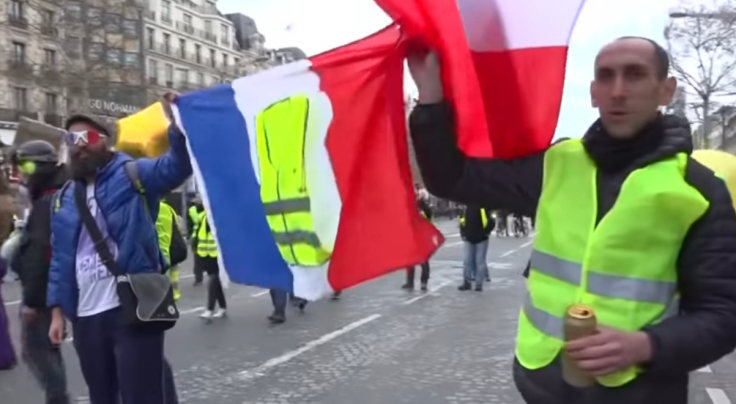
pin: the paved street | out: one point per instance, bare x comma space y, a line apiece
377, 345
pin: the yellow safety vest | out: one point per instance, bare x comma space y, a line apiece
624, 268
280, 141
195, 217
483, 218
167, 218
206, 246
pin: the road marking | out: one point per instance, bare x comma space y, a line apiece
717, 396
509, 252
705, 369
499, 265
452, 235
259, 293
288, 356
13, 303
528, 243
457, 243
190, 311
429, 292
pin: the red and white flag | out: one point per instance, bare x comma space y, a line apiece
504, 66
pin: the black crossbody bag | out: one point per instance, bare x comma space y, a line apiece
145, 298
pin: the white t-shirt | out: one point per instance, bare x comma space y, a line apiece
97, 292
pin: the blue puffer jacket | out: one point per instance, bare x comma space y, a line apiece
127, 221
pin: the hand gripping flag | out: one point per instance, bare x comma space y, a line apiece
504, 66
304, 170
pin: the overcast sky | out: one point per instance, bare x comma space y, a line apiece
319, 25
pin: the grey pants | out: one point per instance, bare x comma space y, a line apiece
475, 267
44, 359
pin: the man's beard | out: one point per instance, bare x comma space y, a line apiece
85, 167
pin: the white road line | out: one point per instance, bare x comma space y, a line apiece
259, 293
452, 235
717, 396
429, 292
457, 243
190, 311
528, 243
13, 303
509, 252
288, 356
705, 369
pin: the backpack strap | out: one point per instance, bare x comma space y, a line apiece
59, 196
131, 171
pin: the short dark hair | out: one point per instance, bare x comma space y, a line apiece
661, 57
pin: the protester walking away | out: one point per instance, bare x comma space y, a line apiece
426, 212
206, 258
8, 358
42, 174
104, 240
171, 242
194, 218
475, 229
629, 224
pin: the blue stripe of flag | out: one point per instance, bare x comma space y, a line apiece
219, 141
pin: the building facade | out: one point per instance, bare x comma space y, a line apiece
60, 57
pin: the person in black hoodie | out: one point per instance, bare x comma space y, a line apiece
475, 228
694, 320
426, 211
37, 162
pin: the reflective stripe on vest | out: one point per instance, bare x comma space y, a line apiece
483, 218
206, 246
281, 138
624, 267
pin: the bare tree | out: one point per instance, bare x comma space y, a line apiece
78, 51
702, 42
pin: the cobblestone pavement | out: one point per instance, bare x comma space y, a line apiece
377, 345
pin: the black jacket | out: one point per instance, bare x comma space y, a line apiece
473, 230
706, 329
31, 261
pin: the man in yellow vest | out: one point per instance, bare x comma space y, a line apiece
167, 218
627, 223
194, 217
206, 258
475, 228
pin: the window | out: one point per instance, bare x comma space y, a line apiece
200, 79
114, 56
225, 60
131, 59
169, 73
112, 23
167, 43
51, 102
95, 51
198, 52
151, 37
208, 27
152, 68
213, 58
20, 98
74, 10
47, 17
224, 32
188, 23
49, 57
236, 61
16, 10
19, 52
72, 46
182, 48
94, 16
166, 10
130, 28
183, 76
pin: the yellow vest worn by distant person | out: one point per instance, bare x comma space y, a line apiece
624, 268
206, 245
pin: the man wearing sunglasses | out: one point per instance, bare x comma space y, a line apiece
117, 360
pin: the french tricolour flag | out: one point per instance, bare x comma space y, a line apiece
304, 170
504, 66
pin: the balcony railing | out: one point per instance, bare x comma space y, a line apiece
20, 68
50, 73
49, 29
53, 119
186, 86
18, 21
164, 48
150, 14
185, 27
210, 37
14, 115
225, 41
153, 81
166, 19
